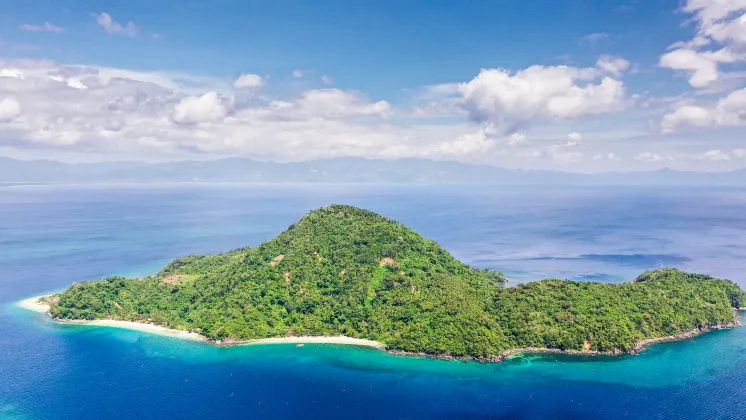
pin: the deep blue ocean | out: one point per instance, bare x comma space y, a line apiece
52, 236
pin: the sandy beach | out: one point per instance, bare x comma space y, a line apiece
33, 304
317, 340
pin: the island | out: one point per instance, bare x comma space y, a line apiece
350, 276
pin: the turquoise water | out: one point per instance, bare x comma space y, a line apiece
51, 237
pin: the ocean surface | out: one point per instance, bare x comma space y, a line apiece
52, 236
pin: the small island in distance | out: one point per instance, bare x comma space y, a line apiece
346, 275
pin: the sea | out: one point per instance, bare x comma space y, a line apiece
53, 236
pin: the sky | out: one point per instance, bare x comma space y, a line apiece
571, 85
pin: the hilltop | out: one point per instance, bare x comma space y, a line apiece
344, 271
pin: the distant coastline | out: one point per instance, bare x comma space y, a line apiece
33, 304
338, 171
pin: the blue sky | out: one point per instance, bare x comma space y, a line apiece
569, 84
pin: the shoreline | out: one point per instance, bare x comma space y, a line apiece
637, 348
309, 339
33, 304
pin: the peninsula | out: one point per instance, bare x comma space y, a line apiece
346, 275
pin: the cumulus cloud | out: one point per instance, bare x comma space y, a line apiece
614, 66
574, 138
45, 27
653, 157
332, 103
209, 107
466, 144
511, 101
702, 67
113, 27
122, 114
722, 22
249, 81
9, 110
116, 111
516, 138
728, 111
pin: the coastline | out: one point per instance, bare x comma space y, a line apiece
638, 347
33, 304
317, 339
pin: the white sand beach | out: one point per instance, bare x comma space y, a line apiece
33, 304
139, 326
317, 340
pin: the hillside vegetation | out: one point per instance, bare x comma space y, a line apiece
341, 270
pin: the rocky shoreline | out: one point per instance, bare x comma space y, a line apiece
637, 348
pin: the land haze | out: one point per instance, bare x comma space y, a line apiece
339, 170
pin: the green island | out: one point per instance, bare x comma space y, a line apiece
344, 271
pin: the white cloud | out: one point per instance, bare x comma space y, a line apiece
516, 138
299, 73
46, 27
701, 66
466, 144
614, 66
9, 110
728, 111
574, 138
332, 103
557, 153
653, 157
12, 73
719, 21
696, 42
152, 115
511, 101
608, 156
113, 27
718, 155
98, 113
249, 81
326, 80
594, 38
209, 107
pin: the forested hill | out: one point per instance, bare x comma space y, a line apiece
341, 270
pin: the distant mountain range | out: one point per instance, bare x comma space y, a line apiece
339, 170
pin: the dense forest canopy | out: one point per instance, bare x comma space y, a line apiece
341, 270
